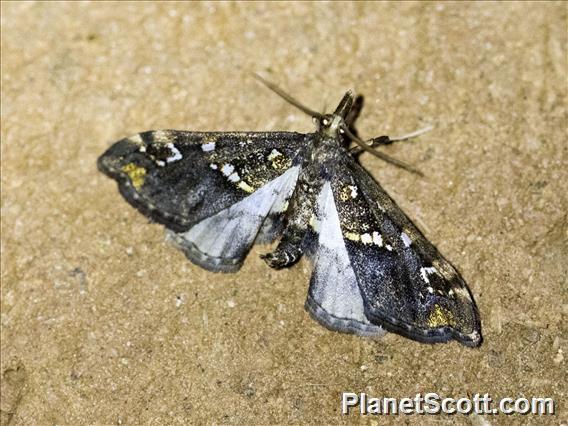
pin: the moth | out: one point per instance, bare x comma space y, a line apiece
218, 193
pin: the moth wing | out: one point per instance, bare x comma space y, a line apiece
180, 178
216, 193
334, 298
220, 242
406, 285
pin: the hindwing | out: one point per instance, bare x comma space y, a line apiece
334, 298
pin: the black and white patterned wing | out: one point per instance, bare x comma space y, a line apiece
216, 193
334, 298
403, 282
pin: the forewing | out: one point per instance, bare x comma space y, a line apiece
406, 285
179, 178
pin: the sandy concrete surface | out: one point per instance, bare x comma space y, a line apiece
104, 322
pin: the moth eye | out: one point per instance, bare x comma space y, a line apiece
325, 122
341, 130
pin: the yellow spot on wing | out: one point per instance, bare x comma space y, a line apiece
440, 317
281, 162
245, 187
136, 174
275, 153
352, 236
315, 223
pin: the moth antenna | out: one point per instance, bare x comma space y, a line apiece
380, 154
287, 97
411, 135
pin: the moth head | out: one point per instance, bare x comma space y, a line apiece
323, 121
330, 124
334, 123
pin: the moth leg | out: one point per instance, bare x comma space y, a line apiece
386, 140
288, 251
301, 209
381, 140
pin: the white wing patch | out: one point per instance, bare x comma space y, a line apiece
176, 154
221, 242
334, 298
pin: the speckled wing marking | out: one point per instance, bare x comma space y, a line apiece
334, 298
179, 178
220, 242
406, 285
